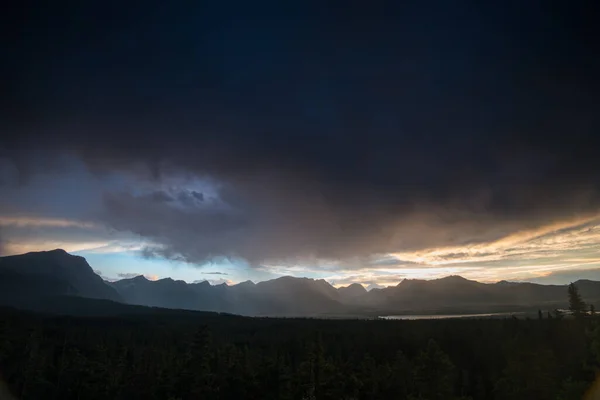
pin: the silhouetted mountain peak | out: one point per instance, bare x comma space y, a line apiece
49, 262
288, 278
56, 251
454, 278
61, 256
64, 273
170, 282
352, 291
506, 283
353, 287
410, 282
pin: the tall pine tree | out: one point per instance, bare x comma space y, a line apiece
576, 303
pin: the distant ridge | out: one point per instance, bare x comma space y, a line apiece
25, 278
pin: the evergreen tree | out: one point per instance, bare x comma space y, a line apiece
198, 368
572, 389
576, 303
401, 382
245, 358
530, 372
434, 373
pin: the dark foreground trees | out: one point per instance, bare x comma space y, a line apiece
189, 356
576, 303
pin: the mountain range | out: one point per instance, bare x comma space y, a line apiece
28, 280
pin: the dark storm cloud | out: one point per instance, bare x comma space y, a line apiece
387, 262
190, 198
185, 197
334, 132
197, 195
161, 196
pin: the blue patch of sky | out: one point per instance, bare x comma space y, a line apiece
113, 264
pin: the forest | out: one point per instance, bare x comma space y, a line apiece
175, 355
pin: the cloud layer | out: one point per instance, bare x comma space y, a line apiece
436, 133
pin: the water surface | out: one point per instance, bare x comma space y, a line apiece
446, 316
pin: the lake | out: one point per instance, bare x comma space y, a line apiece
447, 316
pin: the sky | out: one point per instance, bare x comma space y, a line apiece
353, 142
